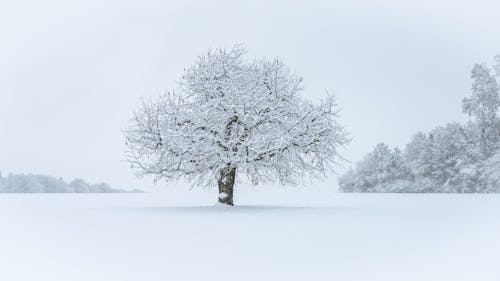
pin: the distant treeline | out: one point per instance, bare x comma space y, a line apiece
29, 183
455, 158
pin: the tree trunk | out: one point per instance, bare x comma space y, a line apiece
226, 184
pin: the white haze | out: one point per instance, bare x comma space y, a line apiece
72, 72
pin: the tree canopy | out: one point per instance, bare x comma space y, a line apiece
234, 117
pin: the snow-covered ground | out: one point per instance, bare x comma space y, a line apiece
275, 235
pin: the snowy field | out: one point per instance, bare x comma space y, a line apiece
275, 235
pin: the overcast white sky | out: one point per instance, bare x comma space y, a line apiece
71, 72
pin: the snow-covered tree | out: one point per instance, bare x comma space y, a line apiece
497, 65
376, 171
3, 183
483, 106
417, 155
449, 154
382, 165
24, 184
53, 185
29, 183
490, 173
234, 117
444, 160
452, 158
79, 186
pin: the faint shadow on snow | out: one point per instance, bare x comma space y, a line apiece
242, 209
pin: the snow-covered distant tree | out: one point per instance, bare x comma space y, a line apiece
53, 185
383, 164
497, 65
376, 171
483, 106
24, 184
449, 149
452, 158
235, 117
79, 186
3, 183
348, 182
29, 183
490, 173
417, 155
